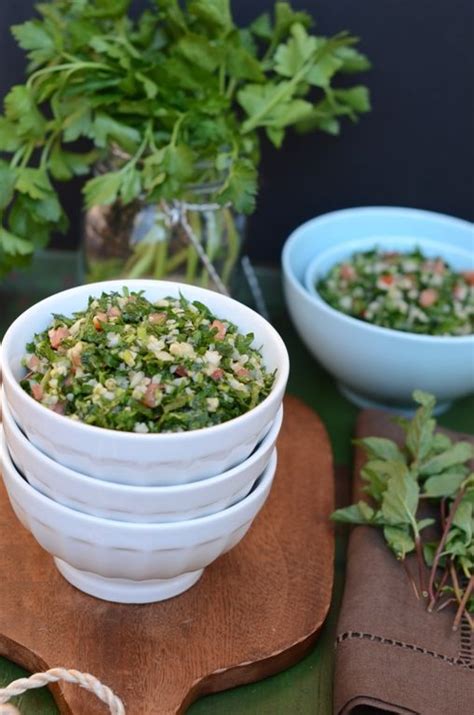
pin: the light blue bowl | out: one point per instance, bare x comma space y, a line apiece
377, 366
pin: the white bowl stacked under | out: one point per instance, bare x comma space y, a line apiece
132, 517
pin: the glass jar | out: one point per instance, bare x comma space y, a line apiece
144, 240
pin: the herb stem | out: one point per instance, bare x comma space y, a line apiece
442, 542
463, 603
72, 66
411, 579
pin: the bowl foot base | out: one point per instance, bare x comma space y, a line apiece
121, 590
365, 403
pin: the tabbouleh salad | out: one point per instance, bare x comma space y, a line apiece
402, 291
128, 364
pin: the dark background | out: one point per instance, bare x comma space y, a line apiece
416, 148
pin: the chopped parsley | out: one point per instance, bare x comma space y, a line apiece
402, 291
128, 364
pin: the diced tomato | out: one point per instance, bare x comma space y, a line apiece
428, 297
56, 336
157, 318
468, 277
150, 396
59, 408
242, 372
221, 329
181, 371
218, 374
98, 319
387, 279
347, 272
36, 391
34, 362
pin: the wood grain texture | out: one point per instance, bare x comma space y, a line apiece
256, 611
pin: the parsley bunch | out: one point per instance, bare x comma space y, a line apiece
178, 97
429, 469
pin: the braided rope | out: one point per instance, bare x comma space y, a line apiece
85, 680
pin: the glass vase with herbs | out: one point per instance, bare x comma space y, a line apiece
165, 112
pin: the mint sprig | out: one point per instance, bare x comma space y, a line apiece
429, 467
176, 98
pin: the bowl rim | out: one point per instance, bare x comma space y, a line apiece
133, 489
137, 284
111, 526
347, 319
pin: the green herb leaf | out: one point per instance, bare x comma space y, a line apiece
400, 499
7, 184
381, 448
444, 485
292, 56
102, 190
213, 13
106, 128
65, 164
459, 453
21, 110
241, 187
360, 513
34, 183
419, 435
9, 139
399, 540
34, 37
14, 245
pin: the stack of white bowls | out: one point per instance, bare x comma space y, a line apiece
128, 517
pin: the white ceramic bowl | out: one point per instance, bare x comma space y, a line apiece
142, 459
130, 563
377, 366
122, 502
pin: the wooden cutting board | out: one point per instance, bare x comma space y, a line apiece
255, 612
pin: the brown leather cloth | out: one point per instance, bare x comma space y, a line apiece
392, 656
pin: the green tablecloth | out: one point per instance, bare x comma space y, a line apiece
305, 688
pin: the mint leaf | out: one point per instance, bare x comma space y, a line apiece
381, 448
444, 485
102, 190
419, 432
399, 540
400, 499
459, 453
360, 513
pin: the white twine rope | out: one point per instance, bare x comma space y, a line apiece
175, 215
85, 680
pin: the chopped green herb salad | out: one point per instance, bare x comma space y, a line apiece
402, 291
128, 364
